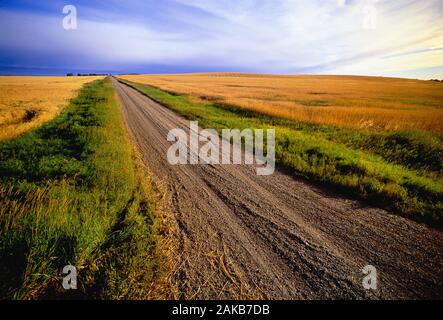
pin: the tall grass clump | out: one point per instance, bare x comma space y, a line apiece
71, 193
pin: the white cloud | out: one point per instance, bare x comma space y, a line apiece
266, 36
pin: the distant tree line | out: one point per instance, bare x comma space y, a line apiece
436, 80
70, 74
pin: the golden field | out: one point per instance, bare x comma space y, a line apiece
26, 102
373, 103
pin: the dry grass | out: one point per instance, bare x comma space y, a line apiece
26, 102
345, 101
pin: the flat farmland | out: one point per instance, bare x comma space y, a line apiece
26, 102
364, 103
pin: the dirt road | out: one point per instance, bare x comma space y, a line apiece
240, 235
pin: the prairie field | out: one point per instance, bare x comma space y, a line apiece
71, 191
366, 103
27, 102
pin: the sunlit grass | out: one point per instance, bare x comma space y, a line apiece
364, 103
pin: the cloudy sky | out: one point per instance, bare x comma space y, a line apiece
386, 37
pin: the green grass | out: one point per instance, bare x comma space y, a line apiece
400, 171
71, 192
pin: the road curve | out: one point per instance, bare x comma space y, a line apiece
240, 235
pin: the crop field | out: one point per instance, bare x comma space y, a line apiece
26, 102
364, 103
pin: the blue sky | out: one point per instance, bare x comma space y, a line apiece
369, 37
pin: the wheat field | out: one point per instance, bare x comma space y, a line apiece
366, 103
27, 102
